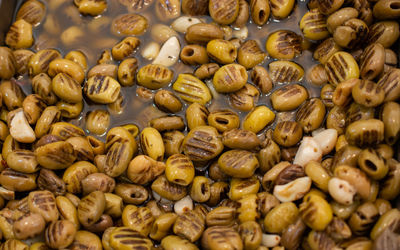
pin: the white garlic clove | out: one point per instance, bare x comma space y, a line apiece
241, 33
309, 150
326, 140
228, 32
181, 24
169, 53
317, 131
150, 51
20, 129
183, 205
341, 191
293, 190
270, 240
161, 200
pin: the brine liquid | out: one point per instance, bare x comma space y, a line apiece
136, 109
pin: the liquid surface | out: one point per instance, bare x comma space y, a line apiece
136, 109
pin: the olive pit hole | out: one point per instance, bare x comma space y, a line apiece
203, 188
261, 15
93, 143
370, 165
188, 52
222, 121
179, 181
391, 140
395, 5
369, 74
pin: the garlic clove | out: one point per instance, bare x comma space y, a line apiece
270, 240
309, 150
341, 191
326, 139
293, 190
183, 205
241, 33
181, 24
151, 51
20, 129
169, 52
